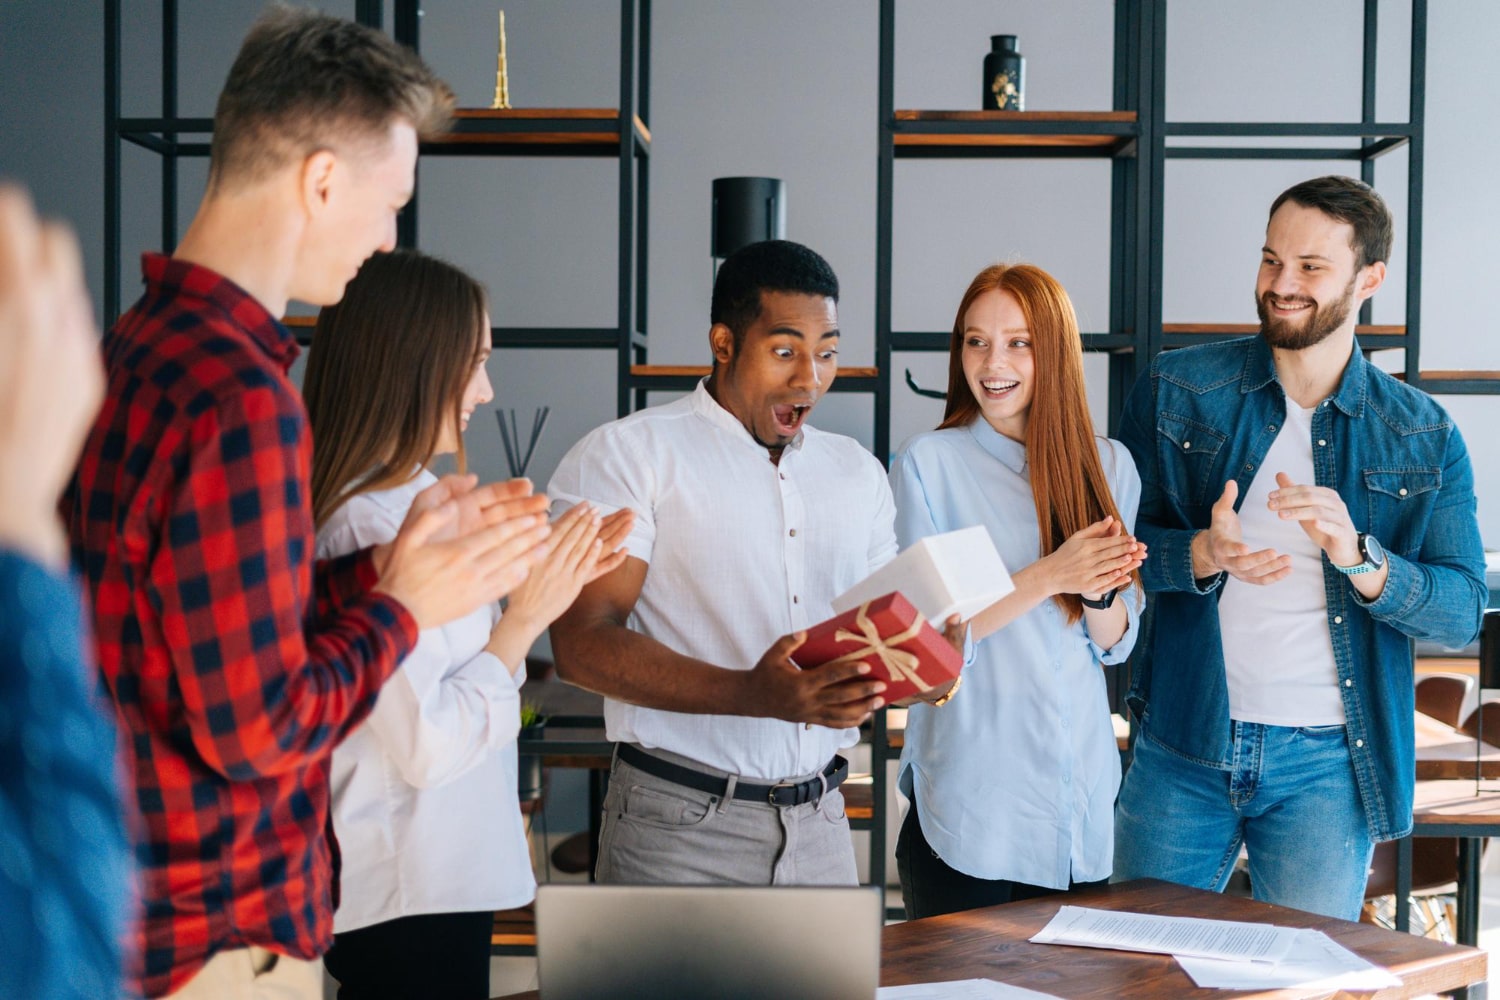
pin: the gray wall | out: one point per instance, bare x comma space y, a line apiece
787, 89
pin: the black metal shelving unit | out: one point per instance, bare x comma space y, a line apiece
622, 133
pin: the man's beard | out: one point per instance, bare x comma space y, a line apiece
1320, 323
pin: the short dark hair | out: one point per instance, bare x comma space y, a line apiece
769, 266
304, 80
1347, 200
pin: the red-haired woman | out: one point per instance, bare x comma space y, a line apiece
1013, 781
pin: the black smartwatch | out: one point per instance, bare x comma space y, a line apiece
1105, 600
1372, 557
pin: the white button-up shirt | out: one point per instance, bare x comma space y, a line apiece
1016, 777
741, 552
424, 790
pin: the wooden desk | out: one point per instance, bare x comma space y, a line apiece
1452, 809
1444, 753
992, 943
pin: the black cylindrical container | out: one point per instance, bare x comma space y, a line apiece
1004, 76
747, 210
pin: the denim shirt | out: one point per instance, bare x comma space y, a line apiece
1207, 414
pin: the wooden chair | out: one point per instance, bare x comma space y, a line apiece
1490, 711
1434, 878
1441, 696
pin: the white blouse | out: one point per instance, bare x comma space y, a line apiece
424, 791
1016, 777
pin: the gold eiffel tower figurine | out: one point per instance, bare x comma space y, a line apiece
502, 75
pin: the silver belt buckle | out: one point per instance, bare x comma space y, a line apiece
771, 795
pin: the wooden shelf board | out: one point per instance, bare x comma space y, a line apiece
912, 115
495, 127
925, 133
514, 928
698, 371
1006, 140
1454, 376
1231, 329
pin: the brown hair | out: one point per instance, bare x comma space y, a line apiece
1346, 199
1067, 479
386, 373
304, 81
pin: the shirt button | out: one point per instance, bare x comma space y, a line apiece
1359, 743
793, 532
1186, 445
1322, 443
1272, 427
794, 598
782, 474
1402, 491
1250, 468
1348, 683
1338, 619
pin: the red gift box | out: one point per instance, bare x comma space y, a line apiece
891, 636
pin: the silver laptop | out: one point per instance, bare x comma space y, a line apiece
743, 942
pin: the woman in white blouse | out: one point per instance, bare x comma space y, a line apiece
425, 806
1013, 781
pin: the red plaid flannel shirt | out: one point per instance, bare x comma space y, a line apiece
236, 664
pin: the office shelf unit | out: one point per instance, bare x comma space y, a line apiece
622, 133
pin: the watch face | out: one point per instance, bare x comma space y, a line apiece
1370, 547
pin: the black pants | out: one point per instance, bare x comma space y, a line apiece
930, 888
412, 958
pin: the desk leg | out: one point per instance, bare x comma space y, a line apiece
1470, 850
1403, 885
598, 784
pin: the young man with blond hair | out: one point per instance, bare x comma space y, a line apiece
235, 663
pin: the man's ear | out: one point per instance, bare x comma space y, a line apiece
721, 340
1371, 280
316, 180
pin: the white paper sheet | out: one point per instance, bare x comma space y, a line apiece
962, 989
1315, 962
957, 572
1191, 936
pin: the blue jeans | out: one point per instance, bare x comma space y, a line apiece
1289, 796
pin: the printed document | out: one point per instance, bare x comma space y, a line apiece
1191, 936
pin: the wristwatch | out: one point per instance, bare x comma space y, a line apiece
1105, 600
1373, 553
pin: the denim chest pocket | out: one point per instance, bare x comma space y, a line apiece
1400, 501
1188, 451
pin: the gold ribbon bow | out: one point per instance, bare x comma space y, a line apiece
900, 664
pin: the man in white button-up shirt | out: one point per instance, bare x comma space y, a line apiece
748, 523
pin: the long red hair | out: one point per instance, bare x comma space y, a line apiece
1067, 479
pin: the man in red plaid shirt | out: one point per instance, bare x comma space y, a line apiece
235, 663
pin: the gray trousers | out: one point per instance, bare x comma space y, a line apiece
659, 832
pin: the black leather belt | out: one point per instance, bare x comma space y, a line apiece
783, 793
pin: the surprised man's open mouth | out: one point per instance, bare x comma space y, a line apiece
789, 417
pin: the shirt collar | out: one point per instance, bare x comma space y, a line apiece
1010, 453
180, 278
712, 410
1260, 370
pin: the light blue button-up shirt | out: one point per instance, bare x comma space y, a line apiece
1016, 777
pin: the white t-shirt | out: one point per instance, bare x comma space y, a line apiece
424, 790
1278, 653
741, 552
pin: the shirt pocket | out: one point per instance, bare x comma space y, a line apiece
1189, 451
1400, 501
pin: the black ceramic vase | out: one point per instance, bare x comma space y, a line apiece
1004, 76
